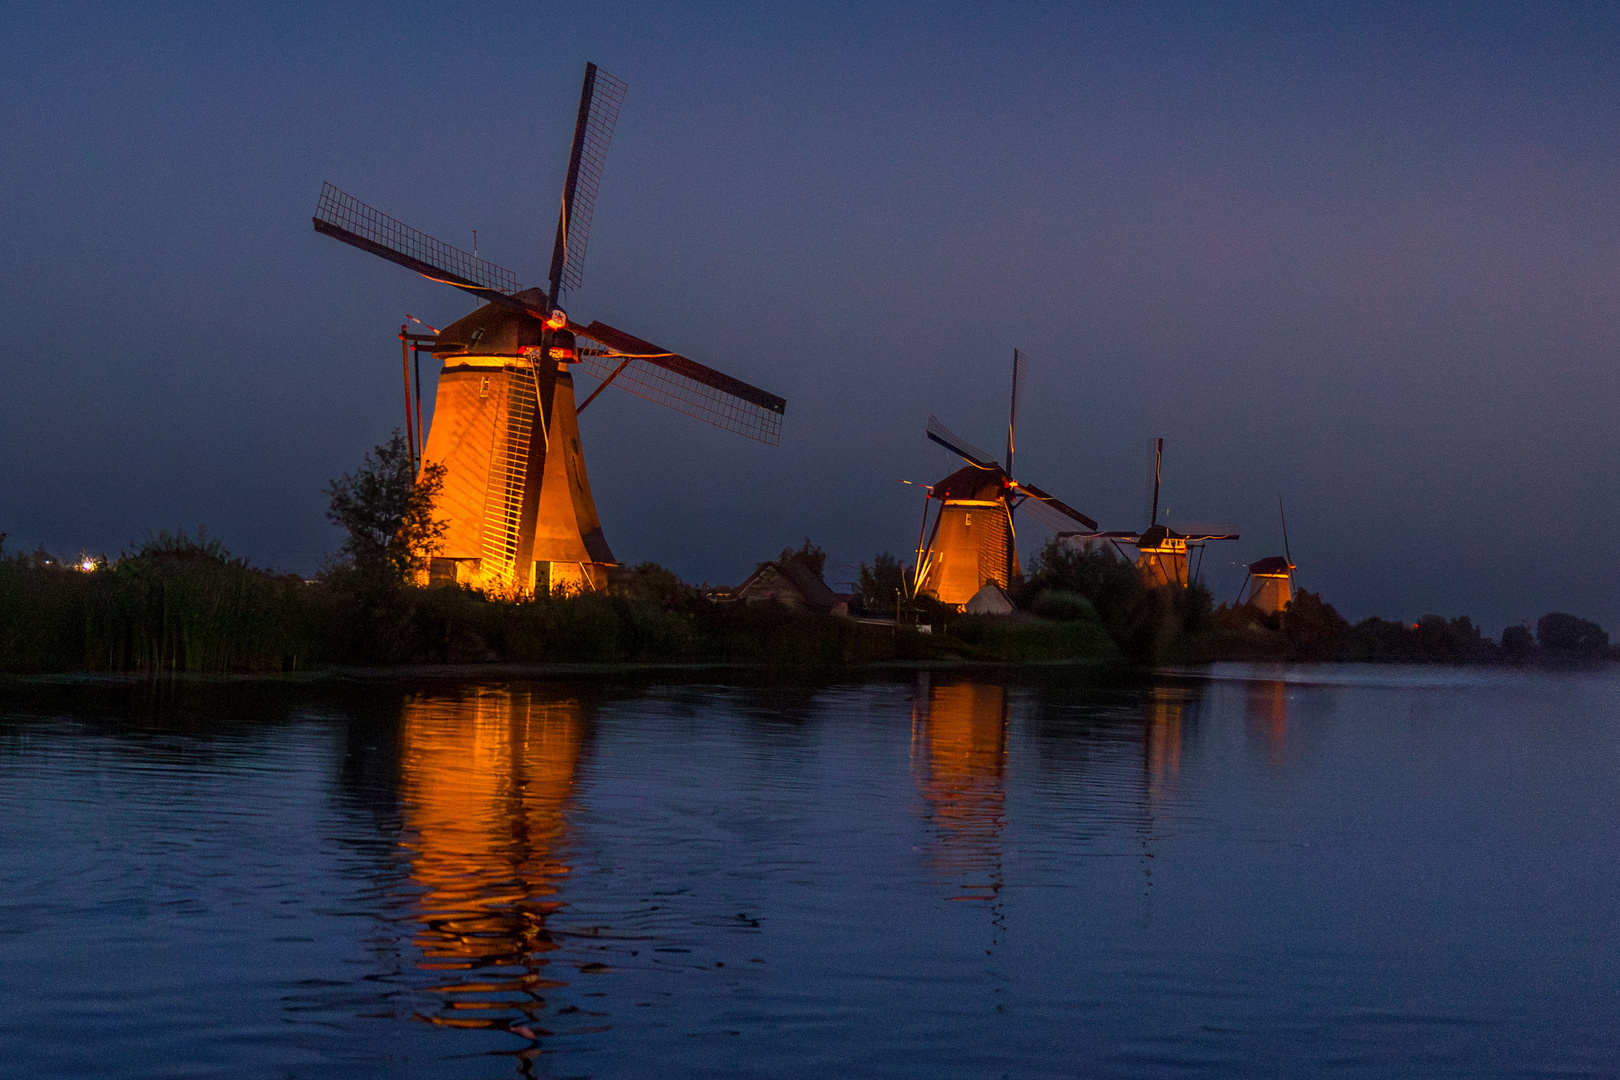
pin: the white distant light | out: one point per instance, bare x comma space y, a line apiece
87, 565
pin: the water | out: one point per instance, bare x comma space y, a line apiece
1336, 871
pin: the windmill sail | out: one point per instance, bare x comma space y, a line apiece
1049, 510
599, 102
684, 385
344, 217
963, 449
1020, 365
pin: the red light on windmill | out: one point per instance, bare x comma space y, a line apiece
562, 353
557, 320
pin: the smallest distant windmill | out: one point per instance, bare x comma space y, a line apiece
1161, 552
974, 543
1271, 580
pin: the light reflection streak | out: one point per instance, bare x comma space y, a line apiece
959, 753
486, 782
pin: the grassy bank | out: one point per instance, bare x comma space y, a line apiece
182, 605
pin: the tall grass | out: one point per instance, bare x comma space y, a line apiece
177, 604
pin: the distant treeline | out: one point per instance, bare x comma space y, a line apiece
184, 604
1186, 626
179, 603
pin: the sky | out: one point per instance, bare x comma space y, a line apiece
1362, 258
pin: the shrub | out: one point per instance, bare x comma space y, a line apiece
1061, 605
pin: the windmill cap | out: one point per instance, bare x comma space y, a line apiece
492, 330
971, 482
1157, 535
1272, 564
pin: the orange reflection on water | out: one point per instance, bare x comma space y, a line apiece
1268, 711
485, 783
1163, 712
959, 752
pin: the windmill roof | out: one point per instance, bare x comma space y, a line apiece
971, 482
1271, 564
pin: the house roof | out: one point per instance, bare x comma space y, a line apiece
811, 589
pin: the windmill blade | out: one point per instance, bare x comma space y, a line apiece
599, 102
1155, 448
1286, 553
1020, 365
683, 384
941, 434
344, 217
1207, 530
1050, 510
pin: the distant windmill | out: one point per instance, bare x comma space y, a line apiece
516, 500
973, 542
1272, 578
1161, 551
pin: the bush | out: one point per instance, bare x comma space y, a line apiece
1060, 605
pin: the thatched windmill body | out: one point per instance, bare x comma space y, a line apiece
1161, 552
974, 540
517, 502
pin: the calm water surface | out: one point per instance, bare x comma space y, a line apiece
1382, 872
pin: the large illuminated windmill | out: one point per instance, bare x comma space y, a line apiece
517, 504
1162, 551
974, 543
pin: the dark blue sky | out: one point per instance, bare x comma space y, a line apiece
1361, 257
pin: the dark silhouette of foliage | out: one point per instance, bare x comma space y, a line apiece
1060, 605
884, 583
1561, 632
652, 583
1145, 623
386, 509
807, 555
1517, 641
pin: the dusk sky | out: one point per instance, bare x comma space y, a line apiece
1363, 257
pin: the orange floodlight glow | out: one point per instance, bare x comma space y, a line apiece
557, 320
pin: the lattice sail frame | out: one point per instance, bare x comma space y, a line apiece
348, 214
684, 395
607, 97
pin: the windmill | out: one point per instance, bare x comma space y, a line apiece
1161, 551
516, 501
973, 542
1272, 578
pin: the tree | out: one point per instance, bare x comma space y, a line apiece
806, 555
1566, 633
1518, 641
387, 511
881, 581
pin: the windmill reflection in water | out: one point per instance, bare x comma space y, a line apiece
959, 759
486, 781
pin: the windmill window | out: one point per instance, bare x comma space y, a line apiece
483, 387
